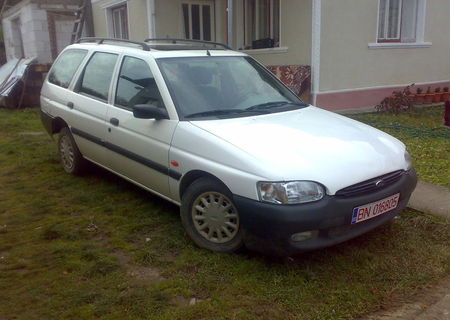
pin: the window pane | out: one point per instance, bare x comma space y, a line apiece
276, 22
263, 19
409, 20
116, 23
195, 9
65, 67
137, 85
394, 16
250, 11
206, 11
120, 22
97, 75
382, 19
185, 8
124, 22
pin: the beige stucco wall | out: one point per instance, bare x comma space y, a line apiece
295, 35
137, 19
348, 26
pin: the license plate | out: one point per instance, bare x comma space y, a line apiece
374, 209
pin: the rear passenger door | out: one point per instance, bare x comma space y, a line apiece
139, 148
90, 104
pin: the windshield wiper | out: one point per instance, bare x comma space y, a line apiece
221, 112
276, 104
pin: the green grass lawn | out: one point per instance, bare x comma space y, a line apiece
98, 247
424, 135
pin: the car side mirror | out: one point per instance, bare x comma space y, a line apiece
148, 111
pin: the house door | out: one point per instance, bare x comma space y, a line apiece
198, 19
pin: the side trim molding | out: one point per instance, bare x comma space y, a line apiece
126, 153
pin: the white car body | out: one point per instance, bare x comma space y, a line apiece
307, 144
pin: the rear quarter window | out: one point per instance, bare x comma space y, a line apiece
65, 67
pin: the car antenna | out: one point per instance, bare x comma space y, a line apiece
208, 53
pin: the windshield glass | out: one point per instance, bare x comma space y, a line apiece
224, 87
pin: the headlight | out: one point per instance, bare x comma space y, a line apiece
291, 192
408, 160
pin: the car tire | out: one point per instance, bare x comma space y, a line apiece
70, 156
210, 217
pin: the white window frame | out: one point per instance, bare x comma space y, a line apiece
419, 31
123, 32
109, 7
248, 42
201, 3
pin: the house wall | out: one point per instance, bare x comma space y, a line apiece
295, 26
347, 62
137, 18
28, 20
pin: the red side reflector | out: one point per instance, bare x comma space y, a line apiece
174, 163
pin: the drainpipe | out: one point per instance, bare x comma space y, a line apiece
230, 23
151, 18
315, 49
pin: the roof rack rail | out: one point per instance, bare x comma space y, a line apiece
144, 45
174, 41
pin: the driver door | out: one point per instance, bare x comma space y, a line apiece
139, 148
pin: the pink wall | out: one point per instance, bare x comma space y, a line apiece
363, 98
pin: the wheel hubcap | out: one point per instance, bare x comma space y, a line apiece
215, 217
66, 151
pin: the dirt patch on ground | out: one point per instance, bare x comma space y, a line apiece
140, 274
421, 306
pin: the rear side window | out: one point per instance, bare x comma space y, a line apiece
136, 85
97, 75
65, 67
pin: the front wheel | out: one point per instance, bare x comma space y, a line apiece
210, 217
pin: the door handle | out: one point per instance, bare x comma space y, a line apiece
114, 121
70, 105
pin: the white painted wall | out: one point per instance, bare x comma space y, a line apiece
34, 32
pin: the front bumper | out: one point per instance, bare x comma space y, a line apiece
268, 227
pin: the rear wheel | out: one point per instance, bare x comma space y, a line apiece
210, 217
71, 159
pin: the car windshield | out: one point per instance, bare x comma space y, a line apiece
224, 87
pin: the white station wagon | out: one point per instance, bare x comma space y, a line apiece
213, 131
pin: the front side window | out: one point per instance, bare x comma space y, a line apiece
120, 22
262, 23
198, 19
97, 75
223, 86
136, 85
398, 20
65, 67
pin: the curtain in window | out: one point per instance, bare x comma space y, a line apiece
393, 30
262, 20
409, 20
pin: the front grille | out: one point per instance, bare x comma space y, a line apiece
371, 185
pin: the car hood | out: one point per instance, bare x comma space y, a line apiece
311, 144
